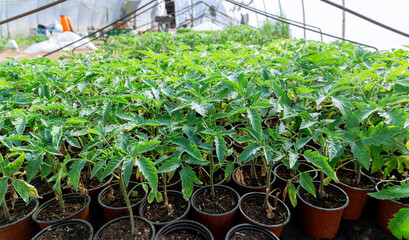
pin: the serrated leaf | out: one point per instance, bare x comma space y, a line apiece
362, 154
307, 124
255, 121
229, 169
292, 194
194, 152
148, 170
170, 165
53, 151
33, 166
14, 166
393, 192
320, 162
127, 168
105, 112
249, 153
112, 165
20, 124
334, 147
3, 187
75, 172
24, 190
307, 183
343, 106
56, 133
293, 157
221, 148
302, 142
188, 177
145, 147
399, 224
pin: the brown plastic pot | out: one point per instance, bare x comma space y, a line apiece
243, 189
22, 229
96, 236
357, 198
218, 224
385, 209
245, 227
276, 229
196, 169
320, 222
82, 213
67, 223
159, 225
48, 195
186, 226
282, 182
111, 213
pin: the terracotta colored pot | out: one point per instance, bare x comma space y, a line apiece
320, 222
111, 213
96, 236
276, 229
48, 195
186, 226
83, 213
243, 189
22, 229
159, 225
385, 209
357, 198
196, 169
218, 224
245, 227
65, 224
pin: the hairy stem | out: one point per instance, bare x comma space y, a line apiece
357, 179
270, 169
5, 209
165, 192
126, 198
321, 188
211, 170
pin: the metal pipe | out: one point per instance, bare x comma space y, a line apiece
32, 11
367, 18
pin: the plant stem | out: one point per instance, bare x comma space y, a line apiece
211, 170
270, 169
165, 192
60, 200
5, 209
126, 198
321, 188
357, 179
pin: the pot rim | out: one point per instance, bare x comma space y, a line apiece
356, 188
259, 194
195, 223
169, 192
99, 187
296, 181
44, 205
218, 183
96, 235
67, 222
38, 177
28, 215
392, 200
193, 197
273, 179
116, 208
299, 188
253, 226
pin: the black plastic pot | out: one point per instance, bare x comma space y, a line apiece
159, 225
186, 226
245, 227
64, 224
82, 213
96, 236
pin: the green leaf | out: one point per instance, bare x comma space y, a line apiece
145, 147
302, 142
343, 106
112, 165
255, 120
320, 162
148, 170
334, 147
170, 165
188, 177
292, 194
249, 153
53, 151
24, 190
307, 124
393, 192
229, 169
56, 132
280, 93
3, 188
194, 152
20, 124
73, 141
399, 225
127, 167
362, 154
221, 149
307, 183
293, 157
105, 112
75, 172
13, 167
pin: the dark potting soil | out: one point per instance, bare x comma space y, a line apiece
272, 122
331, 199
91, 183
249, 235
53, 211
258, 181
114, 197
203, 175
43, 187
122, 230
169, 181
223, 201
77, 231
348, 177
157, 212
285, 173
181, 236
16, 213
254, 209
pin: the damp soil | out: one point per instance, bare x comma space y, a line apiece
122, 230
249, 235
285, 173
113, 198
53, 211
254, 209
77, 231
223, 201
347, 177
43, 187
332, 198
16, 213
182, 235
91, 183
258, 181
203, 175
158, 213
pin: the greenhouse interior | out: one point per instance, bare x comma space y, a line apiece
204, 120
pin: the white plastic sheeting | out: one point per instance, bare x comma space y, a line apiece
207, 26
144, 18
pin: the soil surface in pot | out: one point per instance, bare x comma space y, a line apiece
122, 230
77, 231
247, 180
348, 177
172, 180
16, 213
249, 235
203, 175
223, 201
53, 211
254, 209
157, 212
114, 197
91, 183
285, 173
43, 187
180, 236
332, 198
